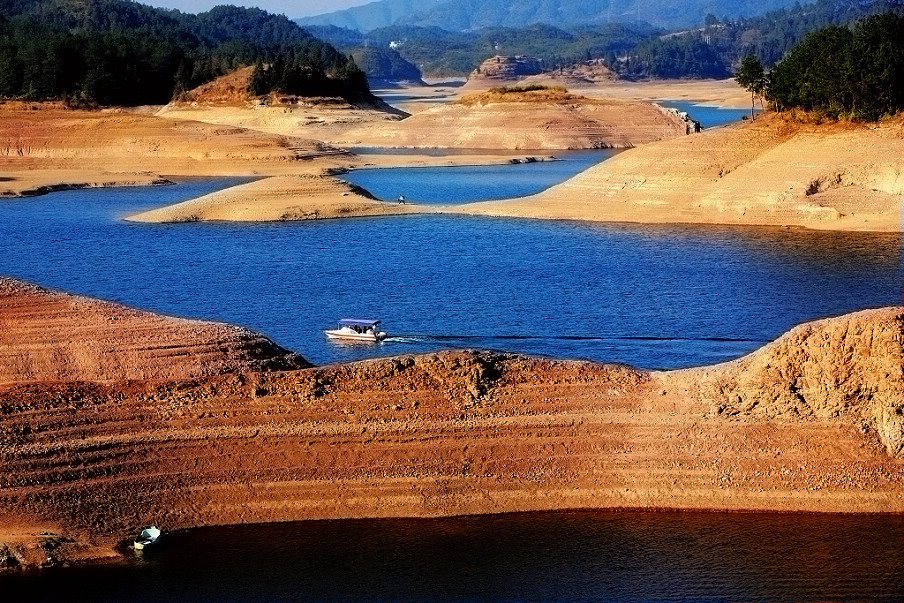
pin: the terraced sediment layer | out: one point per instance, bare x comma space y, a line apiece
808, 423
49, 336
774, 171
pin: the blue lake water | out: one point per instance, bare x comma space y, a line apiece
651, 296
709, 116
565, 556
464, 184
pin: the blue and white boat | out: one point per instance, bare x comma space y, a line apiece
147, 537
357, 329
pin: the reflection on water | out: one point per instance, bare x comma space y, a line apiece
567, 556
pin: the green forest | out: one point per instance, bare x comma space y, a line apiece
716, 48
844, 72
711, 50
117, 52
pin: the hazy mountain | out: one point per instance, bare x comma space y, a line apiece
710, 49
466, 15
370, 16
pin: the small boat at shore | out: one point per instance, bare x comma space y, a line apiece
357, 329
147, 537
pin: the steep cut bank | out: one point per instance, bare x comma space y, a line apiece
456, 432
847, 366
48, 336
774, 171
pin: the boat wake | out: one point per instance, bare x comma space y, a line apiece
419, 338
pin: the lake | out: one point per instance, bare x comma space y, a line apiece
464, 184
709, 116
651, 296
564, 556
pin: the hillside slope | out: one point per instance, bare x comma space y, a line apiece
51, 336
535, 120
773, 171
809, 423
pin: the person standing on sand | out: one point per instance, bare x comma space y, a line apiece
401, 199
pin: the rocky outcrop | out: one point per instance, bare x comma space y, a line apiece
585, 73
507, 68
849, 366
51, 336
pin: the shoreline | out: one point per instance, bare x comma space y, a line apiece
747, 174
259, 438
120, 552
46, 189
768, 172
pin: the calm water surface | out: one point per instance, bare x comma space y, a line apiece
579, 556
709, 116
652, 296
464, 184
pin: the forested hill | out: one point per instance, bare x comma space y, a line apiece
469, 15
712, 48
118, 52
715, 49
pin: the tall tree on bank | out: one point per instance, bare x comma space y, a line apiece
844, 73
752, 77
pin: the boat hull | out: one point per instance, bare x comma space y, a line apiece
341, 334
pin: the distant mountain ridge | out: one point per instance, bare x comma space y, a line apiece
466, 15
374, 15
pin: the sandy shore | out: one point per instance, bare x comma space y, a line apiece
772, 172
722, 93
810, 423
277, 198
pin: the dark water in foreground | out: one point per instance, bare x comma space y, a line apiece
651, 296
569, 556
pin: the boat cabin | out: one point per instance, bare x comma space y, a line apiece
357, 328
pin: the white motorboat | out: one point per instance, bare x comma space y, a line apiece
147, 537
356, 329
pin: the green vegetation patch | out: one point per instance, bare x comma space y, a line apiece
116, 52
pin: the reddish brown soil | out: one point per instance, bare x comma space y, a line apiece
449, 433
52, 336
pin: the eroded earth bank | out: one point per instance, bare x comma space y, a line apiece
112, 418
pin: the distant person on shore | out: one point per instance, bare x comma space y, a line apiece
401, 199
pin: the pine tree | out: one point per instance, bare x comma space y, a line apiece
752, 77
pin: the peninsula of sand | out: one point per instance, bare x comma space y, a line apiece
775, 170
112, 418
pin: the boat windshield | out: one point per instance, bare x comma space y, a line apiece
361, 324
